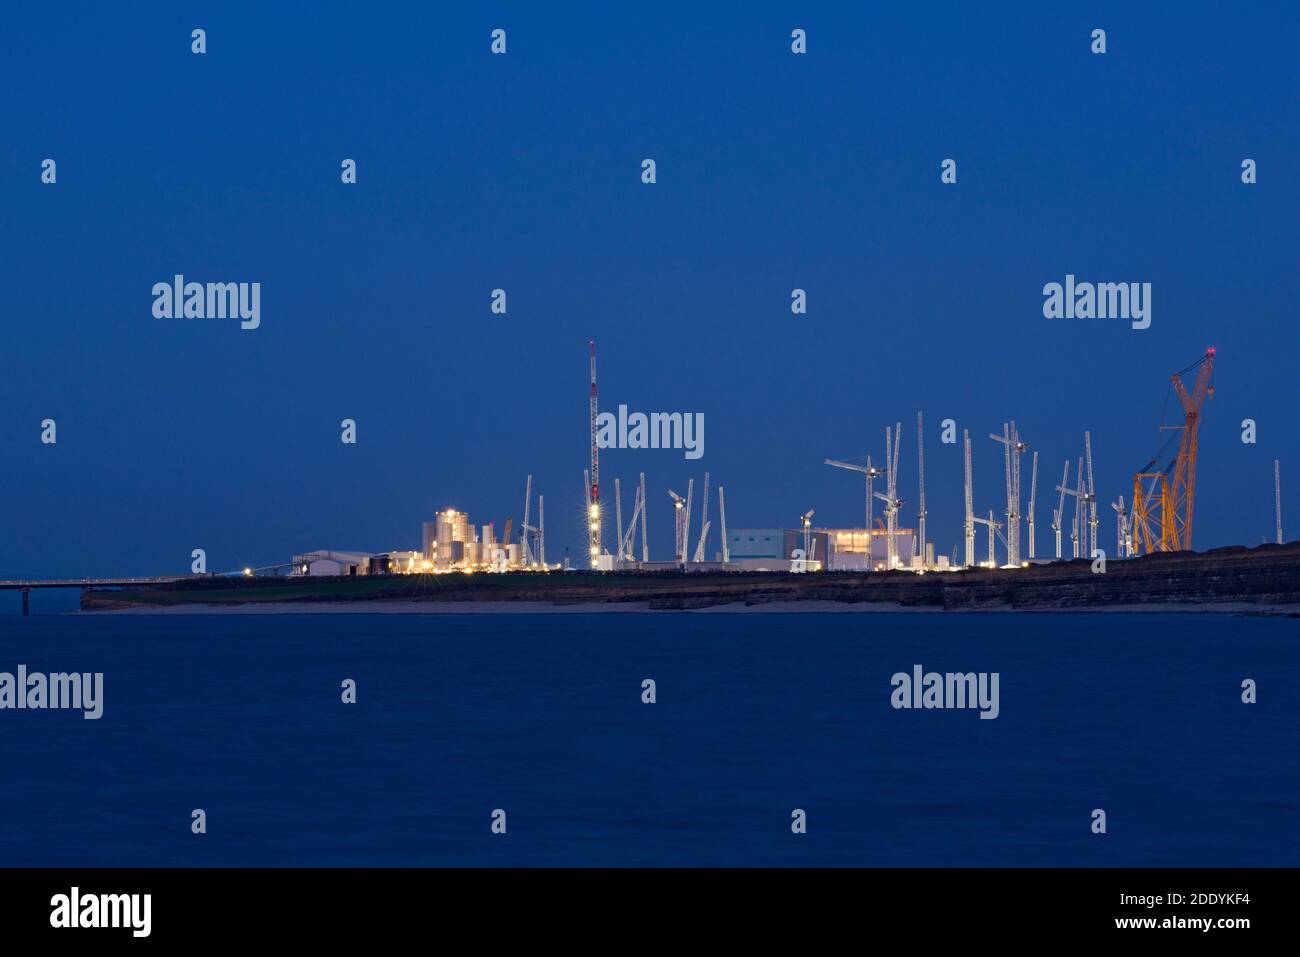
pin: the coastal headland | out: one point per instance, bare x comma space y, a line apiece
1264, 579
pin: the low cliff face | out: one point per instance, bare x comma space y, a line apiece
1267, 577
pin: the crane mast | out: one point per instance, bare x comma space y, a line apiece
1277, 496
704, 521
593, 499
920, 477
645, 546
1093, 521
870, 476
1080, 494
625, 536
1007, 456
618, 523
525, 553
1079, 513
993, 526
970, 504
1121, 528
678, 548
722, 516
1058, 517
1033, 498
686, 519
896, 502
1012, 449
891, 553
893, 443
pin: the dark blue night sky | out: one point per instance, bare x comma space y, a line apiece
522, 171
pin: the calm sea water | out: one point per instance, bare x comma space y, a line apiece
757, 715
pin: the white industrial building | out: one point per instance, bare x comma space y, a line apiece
327, 562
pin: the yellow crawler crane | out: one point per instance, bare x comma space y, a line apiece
1163, 495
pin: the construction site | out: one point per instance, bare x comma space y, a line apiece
1000, 528
1158, 517
889, 563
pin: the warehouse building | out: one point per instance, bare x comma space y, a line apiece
332, 563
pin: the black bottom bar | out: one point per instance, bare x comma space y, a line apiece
337, 905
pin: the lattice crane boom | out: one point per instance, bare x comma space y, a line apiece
1164, 496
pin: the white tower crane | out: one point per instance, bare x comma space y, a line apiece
1277, 496
618, 524
920, 478
893, 442
1074, 531
704, 521
645, 547
1013, 448
679, 550
686, 519
1093, 521
1121, 528
541, 533
1080, 511
1033, 498
625, 536
807, 539
593, 494
722, 516
1058, 516
1005, 439
970, 504
893, 491
993, 526
526, 553
1077, 530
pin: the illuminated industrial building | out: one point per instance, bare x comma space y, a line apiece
832, 549
450, 543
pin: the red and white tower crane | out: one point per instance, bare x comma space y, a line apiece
593, 498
